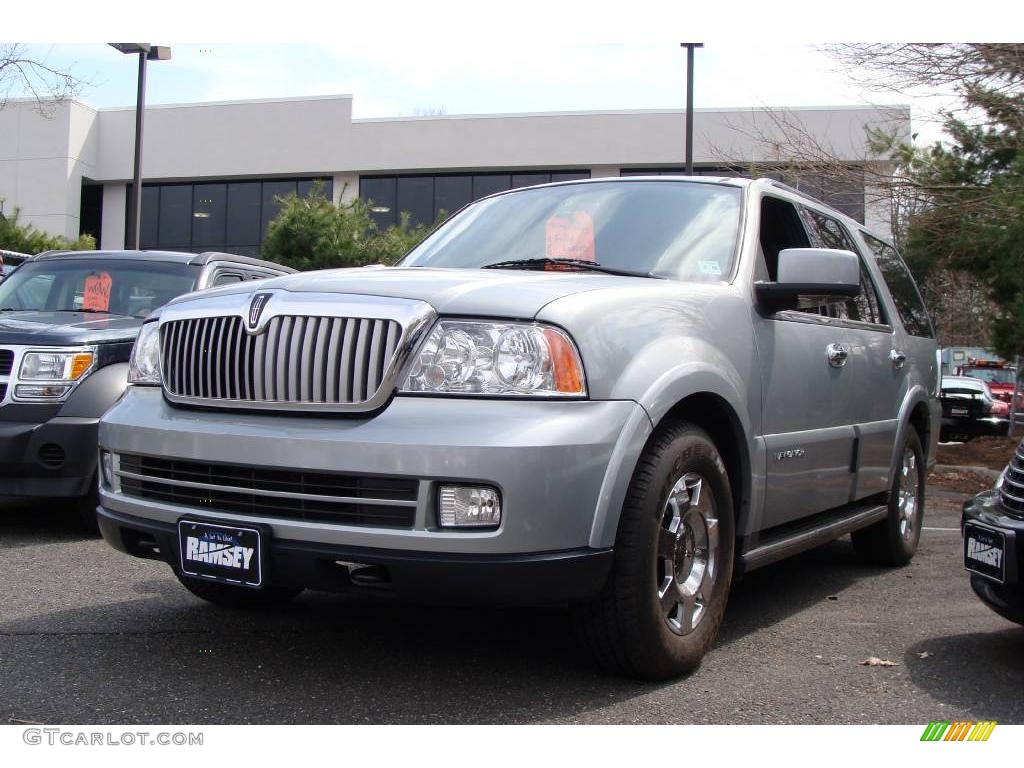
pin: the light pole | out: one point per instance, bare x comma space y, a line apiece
689, 104
146, 52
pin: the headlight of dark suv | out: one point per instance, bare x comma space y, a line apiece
48, 375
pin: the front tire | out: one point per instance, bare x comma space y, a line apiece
893, 541
664, 600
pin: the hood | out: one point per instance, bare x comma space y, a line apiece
66, 328
488, 292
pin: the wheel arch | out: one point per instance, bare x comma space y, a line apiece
708, 410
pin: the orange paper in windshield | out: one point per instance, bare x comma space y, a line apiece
570, 238
97, 292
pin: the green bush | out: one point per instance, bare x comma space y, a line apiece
25, 238
313, 233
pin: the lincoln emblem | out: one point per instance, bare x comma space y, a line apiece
259, 301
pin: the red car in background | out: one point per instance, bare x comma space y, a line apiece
1001, 377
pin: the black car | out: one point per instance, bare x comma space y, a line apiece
993, 532
970, 410
67, 324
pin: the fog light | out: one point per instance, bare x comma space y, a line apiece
108, 471
467, 506
41, 391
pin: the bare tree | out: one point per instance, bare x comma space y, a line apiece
882, 177
21, 74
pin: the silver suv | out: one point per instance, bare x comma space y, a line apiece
612, 394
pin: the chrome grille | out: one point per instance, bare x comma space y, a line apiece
6, 361
261, 492
297, 360
1012, 492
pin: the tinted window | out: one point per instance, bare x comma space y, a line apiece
415, 195
904, 291
681, 230
175, 227
452, 192
380, 193
243, 214
209, 207
117, 287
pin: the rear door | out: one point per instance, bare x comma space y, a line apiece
878, 376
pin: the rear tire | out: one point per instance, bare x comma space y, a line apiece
661, 607
893, 541
230, 596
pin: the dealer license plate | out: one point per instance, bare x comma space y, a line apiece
985, 552
224, 553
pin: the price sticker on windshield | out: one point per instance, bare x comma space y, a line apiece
571, 237
97, 292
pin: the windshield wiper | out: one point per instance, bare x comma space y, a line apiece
592, 266
87, 311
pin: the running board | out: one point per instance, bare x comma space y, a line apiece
824, 529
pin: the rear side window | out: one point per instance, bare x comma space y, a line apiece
902, 287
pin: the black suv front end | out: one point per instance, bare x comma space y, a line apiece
993, 533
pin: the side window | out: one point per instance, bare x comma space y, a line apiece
781, 228
827, 232
226, 278
902, 287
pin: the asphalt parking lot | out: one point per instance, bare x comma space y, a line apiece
88, 635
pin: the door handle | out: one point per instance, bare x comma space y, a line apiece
837, 355
898, 358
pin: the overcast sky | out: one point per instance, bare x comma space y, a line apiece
411, 77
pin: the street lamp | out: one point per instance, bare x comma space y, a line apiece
146, 52
689, 104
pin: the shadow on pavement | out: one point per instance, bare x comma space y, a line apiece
163, 656
982, 672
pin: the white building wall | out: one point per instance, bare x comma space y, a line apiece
43, 160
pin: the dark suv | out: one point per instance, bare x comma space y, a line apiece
67, 324
993, 529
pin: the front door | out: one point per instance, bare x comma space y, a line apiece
809, 385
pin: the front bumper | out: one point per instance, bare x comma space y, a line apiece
56, 457
531, 579
561, 467
1006, 599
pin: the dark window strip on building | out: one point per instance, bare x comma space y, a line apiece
230, 216
426, 196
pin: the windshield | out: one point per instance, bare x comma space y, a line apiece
111, 286
685, 231
993, 375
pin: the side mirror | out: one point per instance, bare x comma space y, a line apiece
809, 277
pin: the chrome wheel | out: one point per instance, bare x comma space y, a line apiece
687, 553
908, 494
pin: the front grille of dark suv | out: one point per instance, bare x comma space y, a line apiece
276, 493
6, 361
1012, 492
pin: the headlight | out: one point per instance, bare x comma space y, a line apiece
144, 367
474, 357
65, 367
